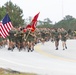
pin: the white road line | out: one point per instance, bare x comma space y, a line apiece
31, 66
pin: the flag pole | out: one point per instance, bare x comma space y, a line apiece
28, 34
34, 22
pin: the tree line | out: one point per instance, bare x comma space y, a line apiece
16, 15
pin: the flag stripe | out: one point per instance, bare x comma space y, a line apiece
11, 24
5, 26
2, 32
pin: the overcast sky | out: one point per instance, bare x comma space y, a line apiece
55, 10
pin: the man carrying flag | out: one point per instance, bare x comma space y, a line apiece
5, 26
29, 35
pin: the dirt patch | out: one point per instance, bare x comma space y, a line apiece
13, 72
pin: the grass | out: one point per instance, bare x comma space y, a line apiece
12, 72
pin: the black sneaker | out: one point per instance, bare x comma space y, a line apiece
9, 48
66, 47
63, 49
12, 49
29, 49
56, 48
32, 50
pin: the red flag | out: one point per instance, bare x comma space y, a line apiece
33, 23
28, 27
35, 17
5, 26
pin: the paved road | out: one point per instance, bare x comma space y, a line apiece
45, 60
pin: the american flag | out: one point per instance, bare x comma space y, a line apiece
5, 26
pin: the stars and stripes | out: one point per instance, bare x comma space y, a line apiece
5, 26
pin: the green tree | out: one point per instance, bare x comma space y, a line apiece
68, 23
15, 13
47, 21
68, 17
2, 12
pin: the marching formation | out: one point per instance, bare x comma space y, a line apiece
27, 40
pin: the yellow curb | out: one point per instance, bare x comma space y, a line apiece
38, 49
